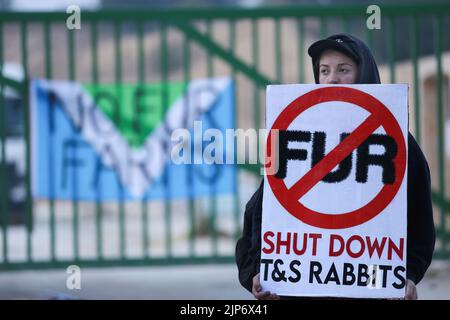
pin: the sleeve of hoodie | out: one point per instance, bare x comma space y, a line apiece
248, 247
421, 232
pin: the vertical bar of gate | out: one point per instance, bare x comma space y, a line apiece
278, 51
391, 48
51, 164
323, 27
213, 199
75, 215
255, 55
95, 80
189, 176
3, 184
369, 37
346, 24
26, 121
141, 79
236, 202
440, 123
120, 122
369, 32
256, 86
415, 52
301, 50
165, 100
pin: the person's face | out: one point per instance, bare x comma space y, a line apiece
336, 68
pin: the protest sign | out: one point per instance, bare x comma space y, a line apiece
335, 212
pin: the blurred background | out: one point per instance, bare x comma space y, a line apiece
89, 103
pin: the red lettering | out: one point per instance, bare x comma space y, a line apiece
375, 246
266, 238
398, 250
315, 236
284, 243
303, 249
357, 245
349, 244
288, 242
333, 252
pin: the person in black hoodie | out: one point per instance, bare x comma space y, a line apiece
344, 59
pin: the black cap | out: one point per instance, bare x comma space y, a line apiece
339, 42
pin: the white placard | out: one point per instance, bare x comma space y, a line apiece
335, 214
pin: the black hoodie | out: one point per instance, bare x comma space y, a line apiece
420, 231
367, 67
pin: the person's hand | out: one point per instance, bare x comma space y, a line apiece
259, 294
411, 290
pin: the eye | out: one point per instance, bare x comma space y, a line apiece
324, 71
343, 70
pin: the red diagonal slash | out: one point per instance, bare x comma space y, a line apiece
379, 115
335, 156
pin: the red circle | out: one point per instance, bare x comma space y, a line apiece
386, 194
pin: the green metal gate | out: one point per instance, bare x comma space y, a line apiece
255, 47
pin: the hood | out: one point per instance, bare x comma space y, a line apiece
351, 46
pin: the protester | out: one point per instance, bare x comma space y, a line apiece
344, 59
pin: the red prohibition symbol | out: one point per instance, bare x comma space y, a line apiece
379, 116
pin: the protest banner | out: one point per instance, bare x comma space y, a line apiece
335, 212
103, 142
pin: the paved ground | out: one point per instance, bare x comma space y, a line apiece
183, 282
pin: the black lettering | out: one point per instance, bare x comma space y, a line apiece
400, 277
52, 99
386, 160
332, 275
315, 268
318, 153
107, 96
373, 277
363, 276
94, 111
266, 263
286, 154
139, 107
81, 114
349, 272
70, 159
384, 269
99, 167
277, 274
293, 265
